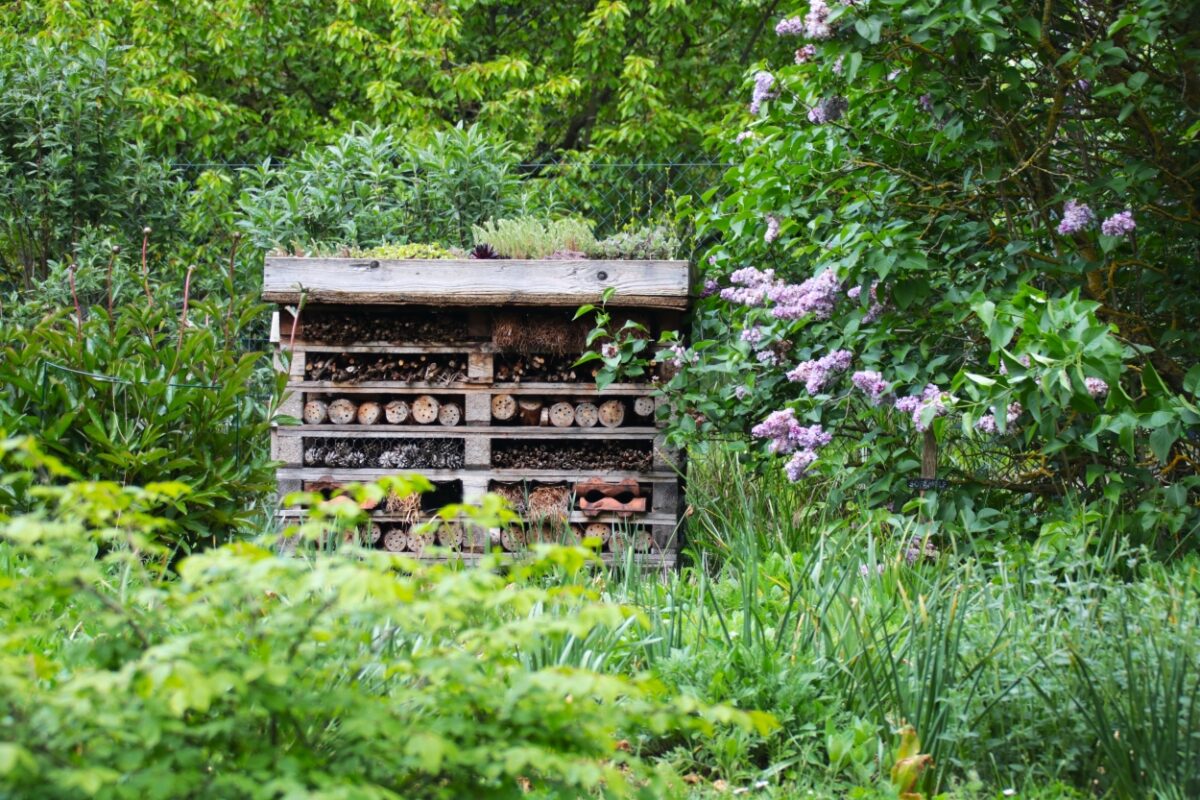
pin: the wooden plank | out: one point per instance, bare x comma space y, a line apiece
400, 349
648, 284
473, 431
340, 475
556, 389
656, 520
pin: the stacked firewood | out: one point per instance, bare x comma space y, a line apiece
582, 412
546, 368
436, 369
416, 538
615, 456
423, 410
387, 453
615, 538
385, 327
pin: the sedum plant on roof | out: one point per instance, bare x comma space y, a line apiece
645, 243
531, 237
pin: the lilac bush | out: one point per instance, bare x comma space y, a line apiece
944, 279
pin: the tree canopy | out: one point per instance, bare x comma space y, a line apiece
230, 79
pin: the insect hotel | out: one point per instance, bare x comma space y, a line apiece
464, 371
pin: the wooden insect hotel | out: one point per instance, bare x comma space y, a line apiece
464, 371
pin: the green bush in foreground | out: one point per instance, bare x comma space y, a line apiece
253, 675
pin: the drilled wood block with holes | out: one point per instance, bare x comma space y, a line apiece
466, 372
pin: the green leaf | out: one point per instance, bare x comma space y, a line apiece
1161, 440
855, 61
15, 760
1123, 21
1191, 381
1031, 27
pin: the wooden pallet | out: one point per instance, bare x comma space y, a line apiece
473, 290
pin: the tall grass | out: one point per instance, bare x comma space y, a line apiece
1023, 665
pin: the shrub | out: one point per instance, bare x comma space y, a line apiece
255, 675
948, 255
70, 168
132, 398
375, 186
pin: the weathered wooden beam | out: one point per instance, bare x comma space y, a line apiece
647, 284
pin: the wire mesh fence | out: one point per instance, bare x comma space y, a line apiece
617, 195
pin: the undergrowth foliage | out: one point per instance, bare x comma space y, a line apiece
149, 385
253, 675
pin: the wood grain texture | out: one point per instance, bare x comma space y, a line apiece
417, 431
647, 284
343, 474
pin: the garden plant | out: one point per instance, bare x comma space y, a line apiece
939, 390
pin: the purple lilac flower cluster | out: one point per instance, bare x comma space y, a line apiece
925, 101
768, 358
787, 435
791, 26
750, 286
797, 466
987, 423
763, 85
930, 398
743, 136
816, 21
1076, 217
1096, 387
817, 296
817, 372
920, 549
711, 287
772, 229
870, 383
831, 109
875, 310
680, 356
806, 54
839, 64
1119, 224
741, 392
